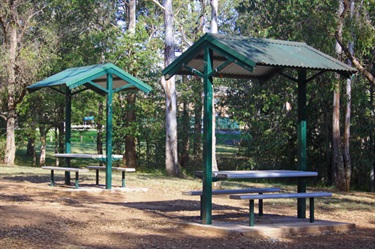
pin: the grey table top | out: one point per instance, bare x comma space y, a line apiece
256, 174
89, 156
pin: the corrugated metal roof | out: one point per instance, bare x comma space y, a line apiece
93, 77
254, 57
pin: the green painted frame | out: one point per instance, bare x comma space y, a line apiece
85, 76
209, 43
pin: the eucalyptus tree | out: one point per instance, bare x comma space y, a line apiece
169, 86
26, 45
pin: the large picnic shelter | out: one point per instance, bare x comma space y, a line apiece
104, 79
233, 56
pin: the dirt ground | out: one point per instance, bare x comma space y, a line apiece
149, 215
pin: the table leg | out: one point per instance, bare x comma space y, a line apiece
76, 179
312, 218
52, 178
251, 213
67, 173
201, 207
260, 206
123, 179
301, 202
97, 177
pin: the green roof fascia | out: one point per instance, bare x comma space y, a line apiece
213, 43
185, 57
233, 56
130, 79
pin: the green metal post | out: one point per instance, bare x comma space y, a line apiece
312, 218
68, 128
207, 140
52, 178
301, 131
260, 206
97, 177
251, 213
123, 183
108, 176
77, 185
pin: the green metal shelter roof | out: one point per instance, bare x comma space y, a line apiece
244, 57
93, 77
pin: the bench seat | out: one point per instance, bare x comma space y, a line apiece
123, 171
53, 168
232, 191
261, 197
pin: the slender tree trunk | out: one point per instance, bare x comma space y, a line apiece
56, 143
329, 164
185, 136
131, 17
10, 150
61, 140
43, 140
198, 106
130, 147
130, 141
372, 143
214, 9
338, 160
171, 164
99, 127
31, 148
347, 159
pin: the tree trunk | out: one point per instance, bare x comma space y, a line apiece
131, 17
130, 141
338, 161
43, 140
171, 164
130, 147
214, 9
60, 140
197, 149
99, 127
185, 137
10, 150
31, 148
347, 160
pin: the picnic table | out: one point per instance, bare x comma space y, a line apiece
68, 169
261, 174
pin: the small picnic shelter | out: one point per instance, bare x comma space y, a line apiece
233, 56
104, 79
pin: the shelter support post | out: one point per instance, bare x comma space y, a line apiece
108, 170
68, 129
207, 139
301, 130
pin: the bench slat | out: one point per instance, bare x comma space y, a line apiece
282, 195
64, 169
233, 191
113, 168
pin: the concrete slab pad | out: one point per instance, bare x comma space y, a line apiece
273, 226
